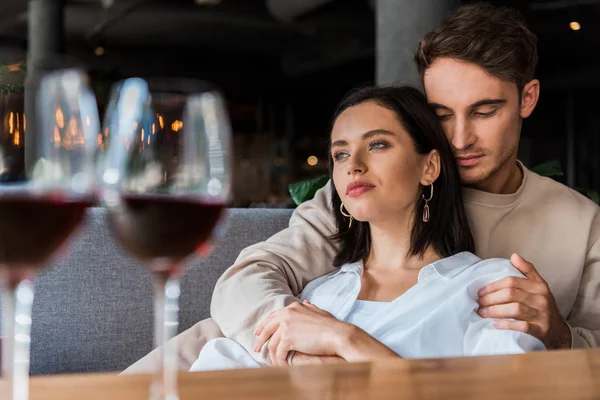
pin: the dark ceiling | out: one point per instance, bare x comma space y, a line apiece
247, 43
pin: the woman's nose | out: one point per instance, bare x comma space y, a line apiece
357, 168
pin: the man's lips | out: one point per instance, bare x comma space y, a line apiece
468, 161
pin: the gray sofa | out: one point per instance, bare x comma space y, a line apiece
93, 310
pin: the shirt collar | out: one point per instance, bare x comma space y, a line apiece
451, 266
447, 267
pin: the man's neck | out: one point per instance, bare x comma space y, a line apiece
507, 180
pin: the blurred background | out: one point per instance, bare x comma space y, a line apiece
283, 65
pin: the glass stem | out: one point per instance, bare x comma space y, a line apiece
16, 332
166, 322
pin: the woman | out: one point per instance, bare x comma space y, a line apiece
407, 281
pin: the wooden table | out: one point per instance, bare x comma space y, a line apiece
557, 375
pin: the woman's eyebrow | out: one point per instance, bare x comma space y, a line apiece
366, 135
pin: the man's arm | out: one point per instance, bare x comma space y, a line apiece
270, 275
584, 318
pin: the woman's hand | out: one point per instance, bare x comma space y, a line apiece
302, 327
298, 359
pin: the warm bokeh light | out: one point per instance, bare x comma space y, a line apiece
60, 119
575, 25
312, 161
176, 126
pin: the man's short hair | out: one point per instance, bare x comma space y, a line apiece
495, 38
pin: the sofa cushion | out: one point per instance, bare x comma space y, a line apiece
93, 309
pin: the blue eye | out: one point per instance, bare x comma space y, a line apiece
340, 155
378, 145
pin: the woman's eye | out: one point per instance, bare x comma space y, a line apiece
339, 155
377, 145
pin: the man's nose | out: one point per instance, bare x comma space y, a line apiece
462, 136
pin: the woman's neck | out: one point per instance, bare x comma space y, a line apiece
390, 242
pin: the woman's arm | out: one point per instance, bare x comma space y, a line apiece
269, 275
356, 345
305, 328
296, 359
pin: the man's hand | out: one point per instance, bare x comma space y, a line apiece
530, 302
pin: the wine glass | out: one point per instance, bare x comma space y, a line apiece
165, 179
41, 204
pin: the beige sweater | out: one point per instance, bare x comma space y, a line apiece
550, 225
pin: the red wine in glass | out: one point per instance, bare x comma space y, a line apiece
165, 179
32, 228
161, 231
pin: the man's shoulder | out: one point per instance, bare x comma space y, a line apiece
547, 189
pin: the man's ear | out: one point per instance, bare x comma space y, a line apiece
431, 169
529, 98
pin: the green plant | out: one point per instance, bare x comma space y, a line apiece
550, 169
12, 78
305, 190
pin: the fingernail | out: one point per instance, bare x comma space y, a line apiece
257, 348
482, 292
483, 311
496, 323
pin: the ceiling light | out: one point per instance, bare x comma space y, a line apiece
312, 161
99, 51
575, 25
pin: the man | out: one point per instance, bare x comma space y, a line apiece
478, 73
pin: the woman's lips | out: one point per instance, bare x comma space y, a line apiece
357, 191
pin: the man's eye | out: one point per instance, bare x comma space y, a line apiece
485, 114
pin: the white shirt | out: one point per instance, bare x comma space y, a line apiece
363, 310
437, 317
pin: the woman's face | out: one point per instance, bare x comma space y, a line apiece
377, 170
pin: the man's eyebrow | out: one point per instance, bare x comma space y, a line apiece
486, 102
365, 135
439, 106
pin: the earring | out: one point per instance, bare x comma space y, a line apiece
426, 211
346, 215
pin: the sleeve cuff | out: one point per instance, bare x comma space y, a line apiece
577, 341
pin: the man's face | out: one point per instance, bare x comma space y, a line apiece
481, 117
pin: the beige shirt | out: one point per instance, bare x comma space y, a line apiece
550, 225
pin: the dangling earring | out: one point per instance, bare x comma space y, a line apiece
426, 212
346, 215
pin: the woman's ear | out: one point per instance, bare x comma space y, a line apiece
431, 168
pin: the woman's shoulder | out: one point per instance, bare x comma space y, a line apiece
484, 272
337, 280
